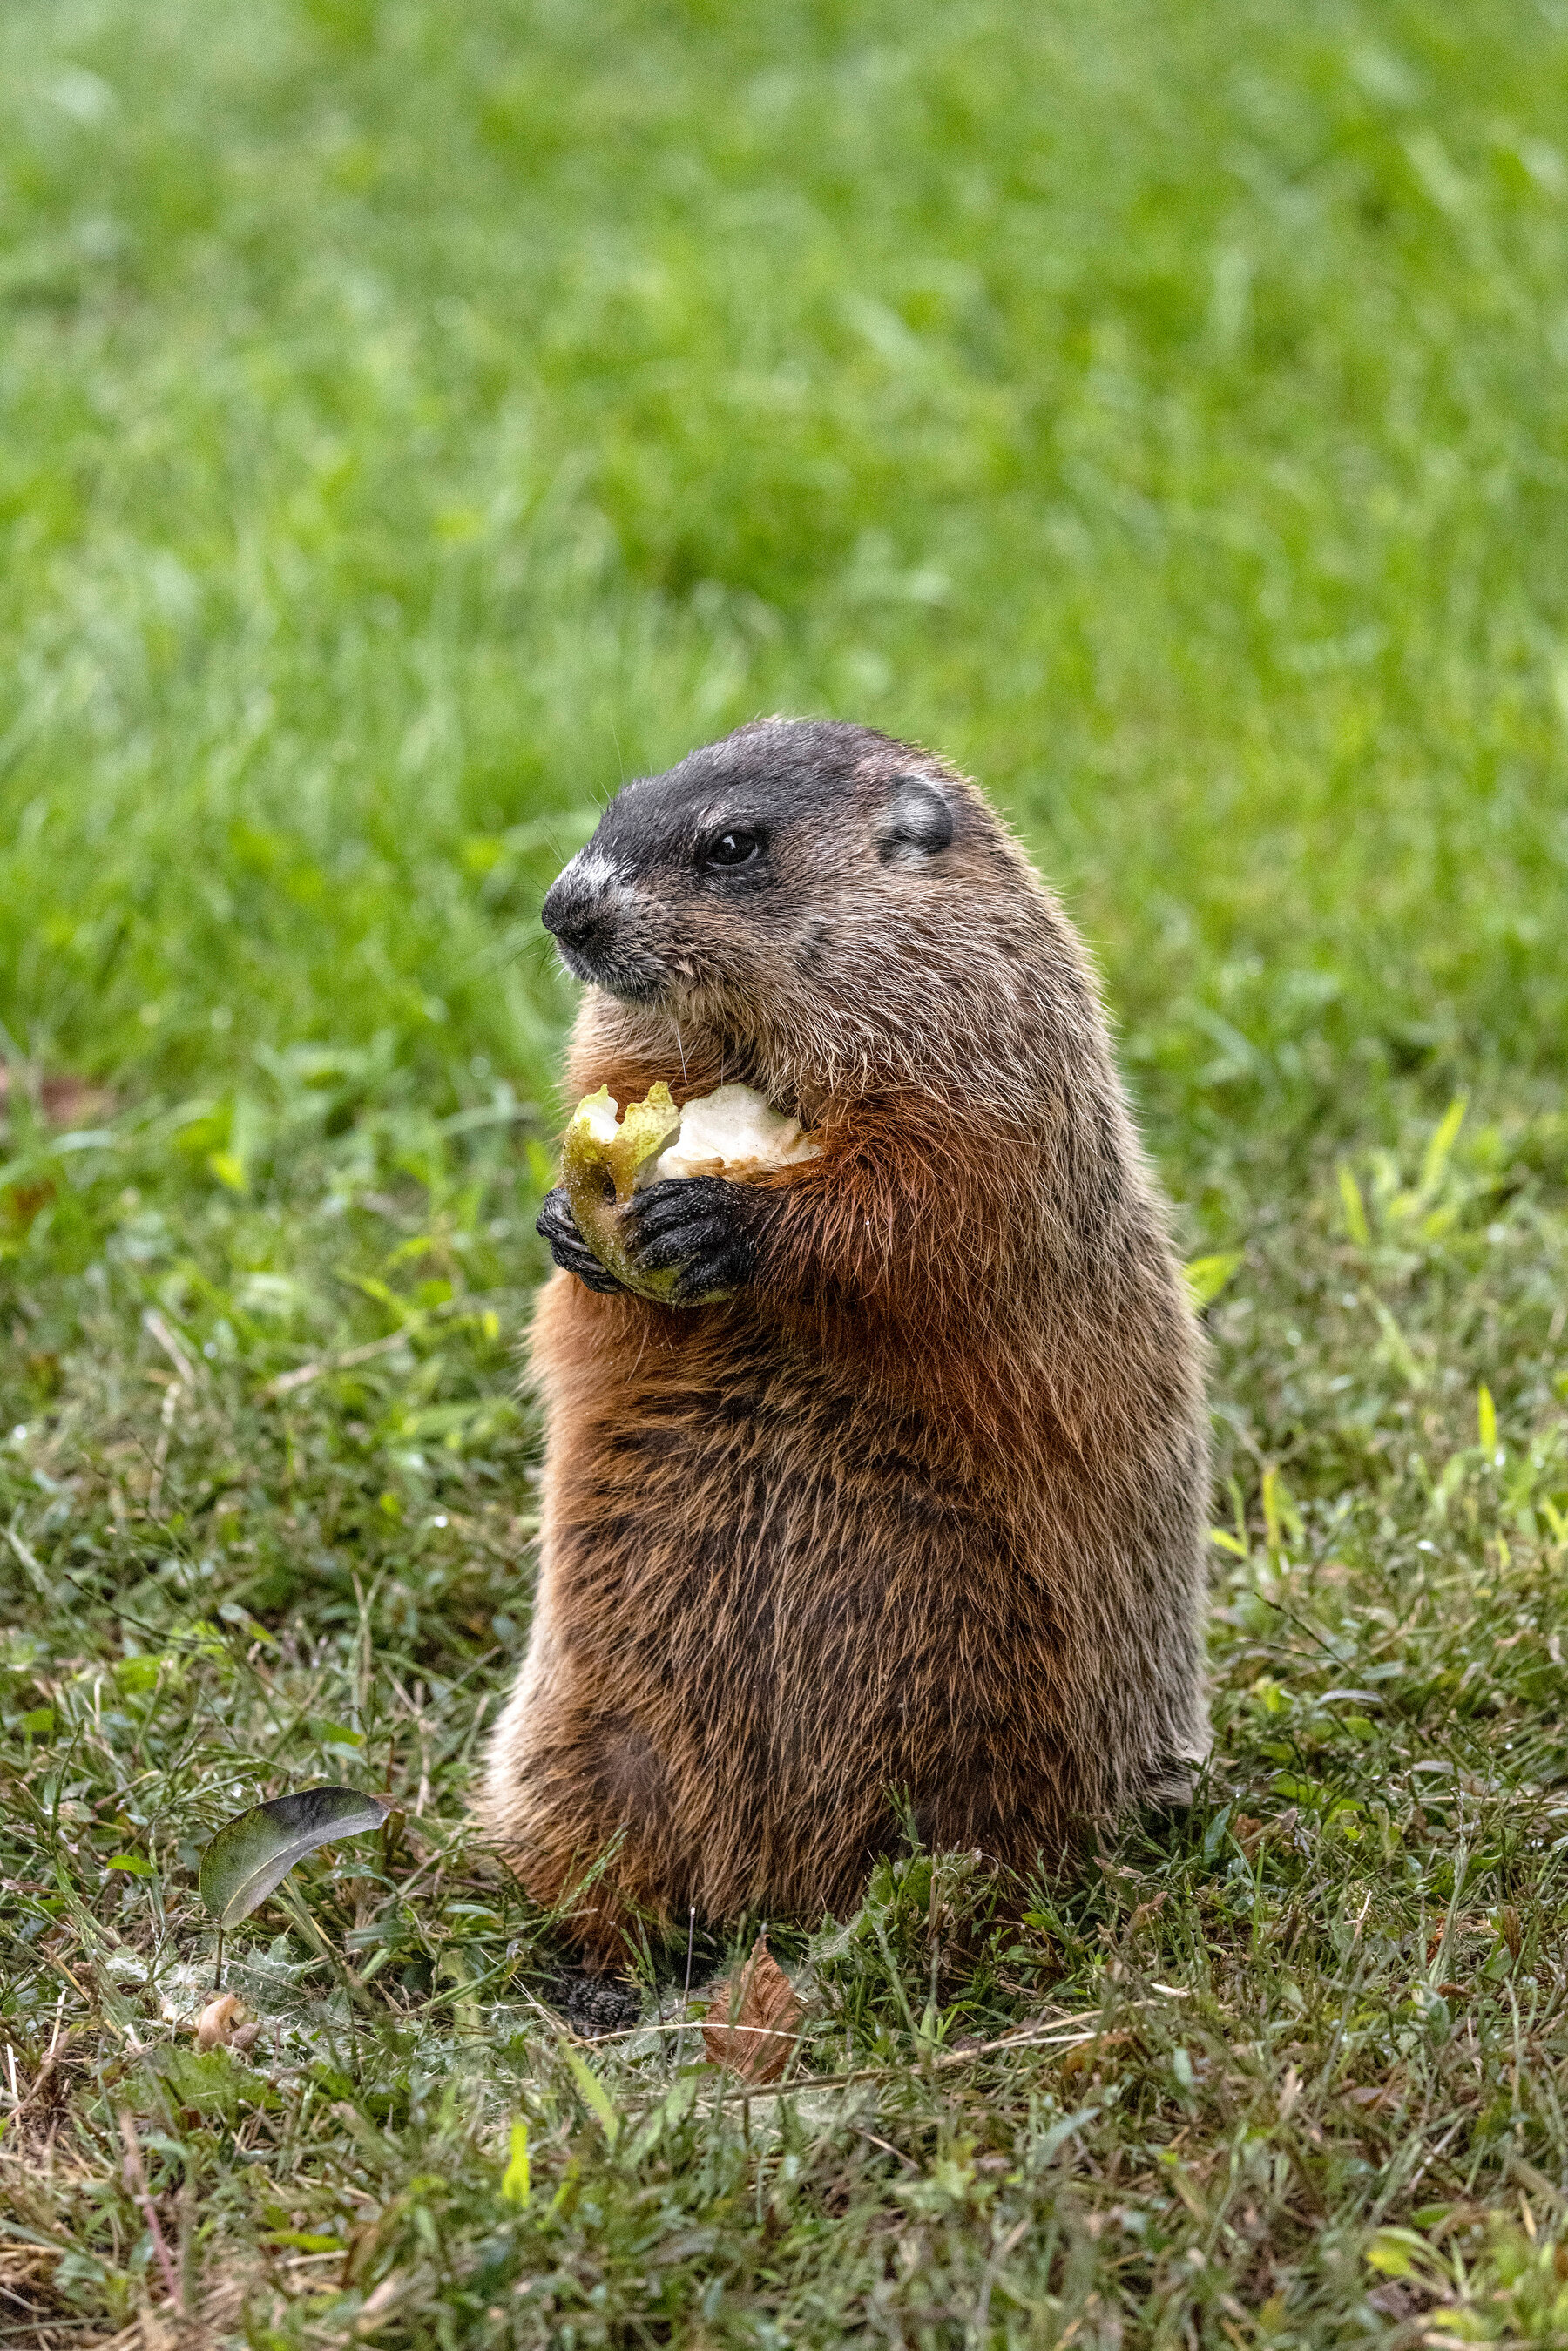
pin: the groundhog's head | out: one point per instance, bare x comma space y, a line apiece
793, 872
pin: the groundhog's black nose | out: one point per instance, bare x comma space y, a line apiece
575, 913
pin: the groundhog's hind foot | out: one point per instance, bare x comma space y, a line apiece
595, 2006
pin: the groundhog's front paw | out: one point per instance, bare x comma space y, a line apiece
701, 1224
558, 1226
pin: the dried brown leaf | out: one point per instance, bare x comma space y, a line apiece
1086, 2053
216, 2024
1375, 2095
754, 2023
65, 1099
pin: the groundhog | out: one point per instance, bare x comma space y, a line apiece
904, 1534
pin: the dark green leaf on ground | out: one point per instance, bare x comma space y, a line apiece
250, 1856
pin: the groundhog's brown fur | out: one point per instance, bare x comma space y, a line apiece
916, 1515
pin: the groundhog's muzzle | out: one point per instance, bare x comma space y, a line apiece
589, 911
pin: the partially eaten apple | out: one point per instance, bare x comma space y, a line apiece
607, 1155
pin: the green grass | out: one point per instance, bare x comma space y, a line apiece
412, 420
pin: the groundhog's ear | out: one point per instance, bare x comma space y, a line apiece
917, 822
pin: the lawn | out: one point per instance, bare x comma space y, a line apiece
413, 420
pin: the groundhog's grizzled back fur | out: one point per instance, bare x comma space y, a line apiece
915, 1517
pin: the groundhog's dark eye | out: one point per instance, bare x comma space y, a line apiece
744, 846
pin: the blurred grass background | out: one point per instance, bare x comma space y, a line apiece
411, 420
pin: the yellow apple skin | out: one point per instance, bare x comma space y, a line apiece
598, 1163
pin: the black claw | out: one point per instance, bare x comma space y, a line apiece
558, 1226
592, 1275
727, 1265
676, 1244
698, 1225
669, 1216
694, 1283
679, 1202
555, 1221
